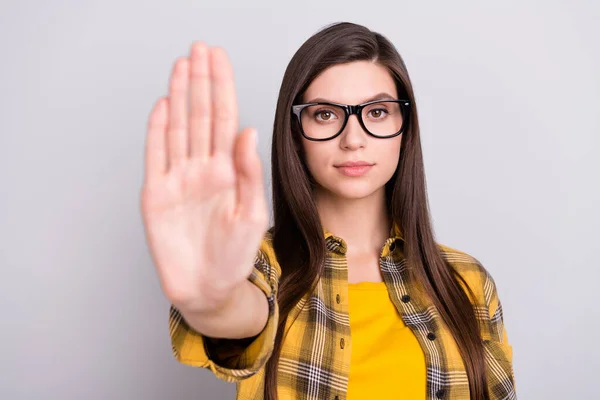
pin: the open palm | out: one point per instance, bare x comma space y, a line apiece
202, 200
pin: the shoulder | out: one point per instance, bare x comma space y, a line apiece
266, 250
266, 259
483, 293
473, 274
464, 263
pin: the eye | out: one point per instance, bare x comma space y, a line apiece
378, 113
324, 115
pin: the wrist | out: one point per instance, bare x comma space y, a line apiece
209, 300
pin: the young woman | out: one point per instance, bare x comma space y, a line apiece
347, 295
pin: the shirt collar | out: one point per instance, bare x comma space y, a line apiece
395, 233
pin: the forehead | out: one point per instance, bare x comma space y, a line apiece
351, 83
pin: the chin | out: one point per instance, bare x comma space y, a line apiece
353, 190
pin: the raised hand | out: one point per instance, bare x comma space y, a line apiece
202, 201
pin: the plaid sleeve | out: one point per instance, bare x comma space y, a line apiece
497, 327
480, 287
498, 350
233, 360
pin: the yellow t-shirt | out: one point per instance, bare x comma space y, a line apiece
387, 361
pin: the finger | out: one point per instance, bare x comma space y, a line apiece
156, 148
250, 187
177, 130
225, 113
200, 107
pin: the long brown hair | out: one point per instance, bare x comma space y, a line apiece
297, 233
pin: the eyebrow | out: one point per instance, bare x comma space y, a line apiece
379, 96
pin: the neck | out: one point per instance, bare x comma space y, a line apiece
363, 223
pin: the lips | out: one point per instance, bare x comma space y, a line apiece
354, 164
354, 169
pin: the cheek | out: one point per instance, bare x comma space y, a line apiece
388, 156
315, 156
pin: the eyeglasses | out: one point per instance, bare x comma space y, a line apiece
325, 121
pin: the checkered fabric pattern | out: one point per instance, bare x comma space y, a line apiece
315, 357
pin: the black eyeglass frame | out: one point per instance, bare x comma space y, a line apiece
354, 109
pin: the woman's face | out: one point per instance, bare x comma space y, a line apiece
352, 83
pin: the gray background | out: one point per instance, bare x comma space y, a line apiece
509, 99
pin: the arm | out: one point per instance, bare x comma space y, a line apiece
244, 315
498, 350
233, 354
497, 326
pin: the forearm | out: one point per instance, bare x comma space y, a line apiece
243, 315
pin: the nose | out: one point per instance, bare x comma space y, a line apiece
353, 136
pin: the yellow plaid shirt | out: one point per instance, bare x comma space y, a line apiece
315, 357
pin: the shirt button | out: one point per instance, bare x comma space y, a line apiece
336, 397
431, 336
337, 298
342, 343
405, 298
440, 393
